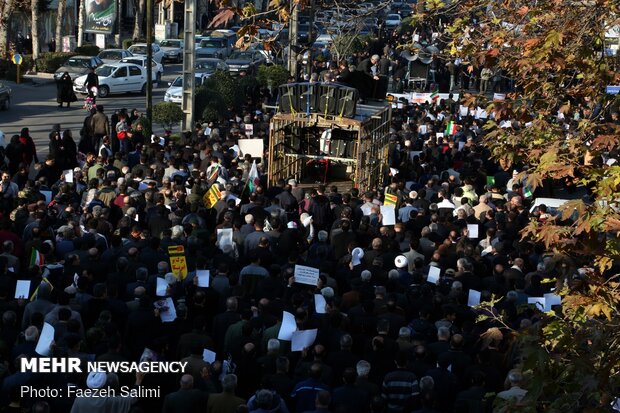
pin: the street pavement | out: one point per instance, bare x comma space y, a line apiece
35, 107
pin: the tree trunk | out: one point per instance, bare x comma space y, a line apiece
5, 12
34, 4
81, 17
137, 27
62, 5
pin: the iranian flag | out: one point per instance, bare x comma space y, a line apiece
451, 128
36, 258
215, 170
435, 96
253, 177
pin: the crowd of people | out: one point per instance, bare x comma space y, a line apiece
99, 215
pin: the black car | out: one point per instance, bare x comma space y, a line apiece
247, 61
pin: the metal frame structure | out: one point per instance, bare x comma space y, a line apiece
370, 151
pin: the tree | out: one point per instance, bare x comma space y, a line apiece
139, 14
6, 9
554, 53
81, 18
62, 5
167, 114
35, 29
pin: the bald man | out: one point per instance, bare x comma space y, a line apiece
186, 399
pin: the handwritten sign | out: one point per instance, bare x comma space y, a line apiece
306, 275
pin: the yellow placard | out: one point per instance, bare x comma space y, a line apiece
390, 199
212, 196
178, 263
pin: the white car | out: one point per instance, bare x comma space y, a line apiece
113, 55
115, 78
157, 68
392, 21
174, 93
173, 50
139, 49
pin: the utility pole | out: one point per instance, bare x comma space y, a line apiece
189, 55
292, 39
149, 62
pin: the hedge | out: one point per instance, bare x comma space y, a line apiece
50, 62
127, 43
87, 50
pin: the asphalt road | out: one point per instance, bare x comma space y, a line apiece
35, 107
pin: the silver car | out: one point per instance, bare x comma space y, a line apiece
173, 50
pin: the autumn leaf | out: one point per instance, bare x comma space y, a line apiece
223, 17
523, 10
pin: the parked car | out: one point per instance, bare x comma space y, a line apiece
139, 49
77, 66
247, 61
174, 93
216, 47
115, 78
173, 50
392, 21
208, 66
157, 68
5, 96
113, 55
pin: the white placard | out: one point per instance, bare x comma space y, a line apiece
162, 286
22, 289
394, 171
167, 312
306, 275
433, 274
413, 154
366, 209
303, 339
203, 278
474, 298
68, 174
48, 196
252, 146
100, 40
461, 145
539, 302
224, 236
389, 215
499, 96
463, 110
44, 345
551, 300
320, 304
439, 135
208, 356
472, 231
288, 327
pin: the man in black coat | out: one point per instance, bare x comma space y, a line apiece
186, 399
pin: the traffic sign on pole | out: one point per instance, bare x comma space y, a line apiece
17, 59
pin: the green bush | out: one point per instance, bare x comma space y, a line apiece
88, 50
167, 114
274, 75
210, 114
221, 91
127, 43
50, 62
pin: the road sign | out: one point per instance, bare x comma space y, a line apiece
613, 90
17, 59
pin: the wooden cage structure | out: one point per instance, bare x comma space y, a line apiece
350, 152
